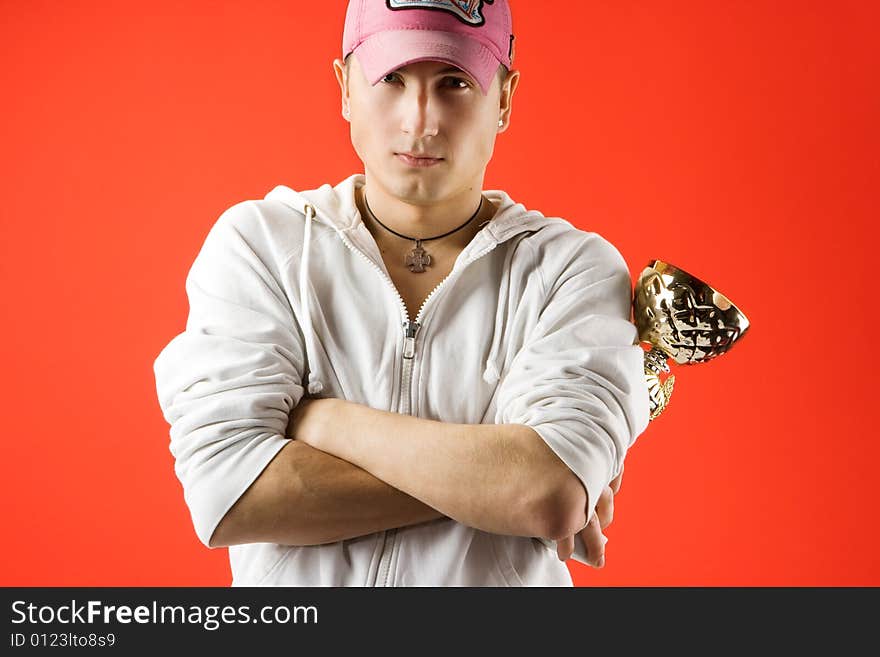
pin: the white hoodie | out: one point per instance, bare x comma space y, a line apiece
532, 326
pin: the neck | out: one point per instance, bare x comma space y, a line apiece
422, 220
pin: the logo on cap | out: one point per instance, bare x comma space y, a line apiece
468, 11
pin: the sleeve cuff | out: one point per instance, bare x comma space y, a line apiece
217, 490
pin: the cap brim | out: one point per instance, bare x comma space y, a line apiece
386, 52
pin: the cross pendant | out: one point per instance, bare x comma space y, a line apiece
418, 259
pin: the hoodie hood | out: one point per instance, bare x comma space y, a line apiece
334, 206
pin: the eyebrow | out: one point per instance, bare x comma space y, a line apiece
446, 71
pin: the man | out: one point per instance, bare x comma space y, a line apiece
404, 379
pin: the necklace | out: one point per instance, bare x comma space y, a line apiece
418, 258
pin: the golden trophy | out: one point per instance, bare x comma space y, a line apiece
681, 318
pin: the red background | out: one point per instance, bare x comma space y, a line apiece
737, 140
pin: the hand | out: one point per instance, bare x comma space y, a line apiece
591, 535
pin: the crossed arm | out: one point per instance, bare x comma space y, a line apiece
353, 470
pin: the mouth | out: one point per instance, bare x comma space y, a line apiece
421, 160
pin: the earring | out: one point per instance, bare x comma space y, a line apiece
500, 123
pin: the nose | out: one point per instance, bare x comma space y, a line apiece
418, 113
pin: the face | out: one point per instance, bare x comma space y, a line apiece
425, 132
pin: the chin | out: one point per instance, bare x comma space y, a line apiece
418, 190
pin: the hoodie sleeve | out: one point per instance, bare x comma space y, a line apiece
578, 378
227, 384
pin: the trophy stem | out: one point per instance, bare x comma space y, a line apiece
659, 392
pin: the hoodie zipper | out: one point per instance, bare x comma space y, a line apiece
410, 327
410, 330
383, 570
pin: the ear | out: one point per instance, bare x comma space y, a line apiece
508, 88
341, 71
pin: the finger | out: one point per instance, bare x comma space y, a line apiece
605, 507
615, 483
594, 542
564, 548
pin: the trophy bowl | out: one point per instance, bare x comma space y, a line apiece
682, 318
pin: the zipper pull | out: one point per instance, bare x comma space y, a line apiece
409, 346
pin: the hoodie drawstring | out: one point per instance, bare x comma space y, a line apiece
492, 371
315, 384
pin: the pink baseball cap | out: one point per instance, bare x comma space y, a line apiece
473, 35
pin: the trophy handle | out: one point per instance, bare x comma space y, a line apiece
658, 392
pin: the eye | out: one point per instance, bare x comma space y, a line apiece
391, 78
456, 83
